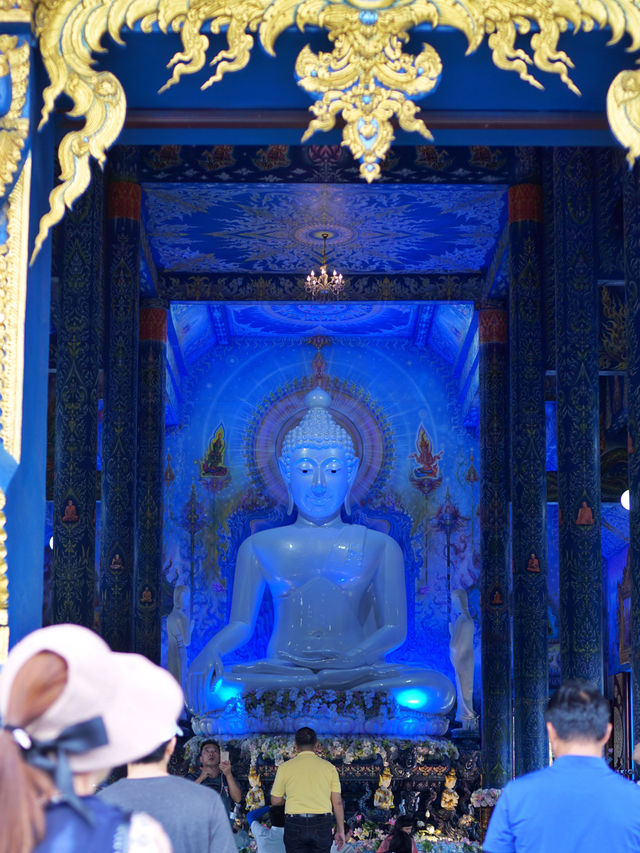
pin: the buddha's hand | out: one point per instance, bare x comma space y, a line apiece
351, 659
306, 657
203, 673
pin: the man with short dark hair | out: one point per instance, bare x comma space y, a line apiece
215, 773
309, 788
193, 817
577, 805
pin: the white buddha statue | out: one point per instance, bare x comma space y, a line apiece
338, 589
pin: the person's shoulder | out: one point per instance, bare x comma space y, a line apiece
623, 787
524, 786
320, 758
146, 835
113, 791
329, 766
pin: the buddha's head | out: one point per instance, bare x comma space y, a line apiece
318, 462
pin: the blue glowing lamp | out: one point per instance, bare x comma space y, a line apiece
412, 697
223, 692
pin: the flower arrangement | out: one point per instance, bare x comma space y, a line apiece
485, 797
339, 712
276, 749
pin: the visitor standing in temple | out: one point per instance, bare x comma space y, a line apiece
194, 817
401, 839
309, 788
214, 771
578, 804
70, 711
269, 835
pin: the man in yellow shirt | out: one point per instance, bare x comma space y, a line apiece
309, 787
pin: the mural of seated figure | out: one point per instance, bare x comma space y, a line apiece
338, 589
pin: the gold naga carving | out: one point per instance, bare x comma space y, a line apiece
368, 77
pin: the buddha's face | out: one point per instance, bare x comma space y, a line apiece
319, 481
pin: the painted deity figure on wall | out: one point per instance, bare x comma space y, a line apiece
338, 589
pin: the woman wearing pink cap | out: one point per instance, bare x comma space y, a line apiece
70, 710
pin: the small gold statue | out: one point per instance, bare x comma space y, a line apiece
383, 797
255, 796
450, 798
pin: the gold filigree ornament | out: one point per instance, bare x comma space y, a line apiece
14, 124
368, 77
14, 212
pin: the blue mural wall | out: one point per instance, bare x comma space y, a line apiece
222, 482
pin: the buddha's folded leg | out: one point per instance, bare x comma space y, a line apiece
439, 691
270, 675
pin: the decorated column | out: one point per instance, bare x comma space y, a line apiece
494, 544
528, 468
78, 362
150, 480
632, 283
122, 285
581, 630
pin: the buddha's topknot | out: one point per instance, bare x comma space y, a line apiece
317, 429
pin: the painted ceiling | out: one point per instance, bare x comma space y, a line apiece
266, 227
448, 323
448, 329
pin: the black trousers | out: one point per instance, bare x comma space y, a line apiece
308, 834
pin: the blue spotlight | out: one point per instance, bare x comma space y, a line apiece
411, 697
223, 692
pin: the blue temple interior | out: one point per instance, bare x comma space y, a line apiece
406, 368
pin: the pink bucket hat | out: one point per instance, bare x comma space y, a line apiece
137, 701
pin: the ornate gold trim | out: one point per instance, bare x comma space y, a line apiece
367, 77
14, 126
13, 291
16, 11
14, 130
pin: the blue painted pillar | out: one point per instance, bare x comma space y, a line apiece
528, 466
78, 362
494, 545
150, 479
25, 506
632, 284
577, 339
119, 420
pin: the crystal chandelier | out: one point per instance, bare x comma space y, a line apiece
323, 285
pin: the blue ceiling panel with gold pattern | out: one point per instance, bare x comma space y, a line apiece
311, 318
199, 326
265, 227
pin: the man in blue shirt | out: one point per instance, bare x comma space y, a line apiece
577, 805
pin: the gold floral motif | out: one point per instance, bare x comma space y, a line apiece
368, 78
14, 125
13, 290
16, 11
